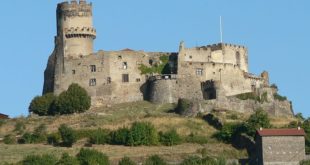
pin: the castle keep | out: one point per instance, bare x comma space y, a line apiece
209, 75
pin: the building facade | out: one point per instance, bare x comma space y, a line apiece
280, 146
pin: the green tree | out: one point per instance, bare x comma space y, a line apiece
66, 159
74, 100
126, 161
40, 160
92, 157
142, 133
258, 119
155, 160
68, 135
41, 104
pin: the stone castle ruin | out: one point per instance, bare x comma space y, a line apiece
210, 76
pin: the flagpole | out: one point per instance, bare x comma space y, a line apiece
221, 29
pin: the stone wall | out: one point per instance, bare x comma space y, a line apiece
279, 150
163, 91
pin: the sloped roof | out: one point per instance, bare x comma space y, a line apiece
281, 132
3, 116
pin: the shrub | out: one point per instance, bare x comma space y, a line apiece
126, 161
155, 160
249, 96
120, 136
99, 137
9, 139
91, 157
258, 119
161, 68
66, 159
279, 97
68, 135
39, 160
54, 138
195, 160
27, 138
300, 117
41, 104
305, 162
20, 127
74, 100
226, 133
194, 138
170, 138
142, 133
183, 106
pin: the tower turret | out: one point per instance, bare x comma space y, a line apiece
75, 31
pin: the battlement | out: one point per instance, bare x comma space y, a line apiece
74, 8
220, 46
80, 32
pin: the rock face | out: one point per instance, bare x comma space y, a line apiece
208, 75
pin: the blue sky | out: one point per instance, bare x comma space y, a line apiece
276, 33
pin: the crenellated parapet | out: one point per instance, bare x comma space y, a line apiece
75, 9
86, 32
221, 46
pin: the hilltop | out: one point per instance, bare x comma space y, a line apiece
123, 115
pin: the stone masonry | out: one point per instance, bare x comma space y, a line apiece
211, 74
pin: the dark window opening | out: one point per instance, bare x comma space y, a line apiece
125, 65
73, 71
93, 68
92, 82
138, 80
125, 78
209, 90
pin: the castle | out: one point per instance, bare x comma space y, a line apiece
209, 75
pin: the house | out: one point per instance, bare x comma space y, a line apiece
280, 146
3, 116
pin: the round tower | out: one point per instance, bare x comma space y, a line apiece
75, 31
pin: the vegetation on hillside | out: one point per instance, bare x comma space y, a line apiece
160, 68
74, 100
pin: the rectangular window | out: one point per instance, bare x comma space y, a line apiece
125, 65
138, 80
73, 71
199, 71
92, 82
93, 68
125, 78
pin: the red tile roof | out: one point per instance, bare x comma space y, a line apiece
281, 132
3, 116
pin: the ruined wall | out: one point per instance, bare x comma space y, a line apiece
288, 150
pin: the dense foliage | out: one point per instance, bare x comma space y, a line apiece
40, 104
161, 68
99, 136
92, 157
279, 97
74, 100
142, 133
39, 135
40, 160
257, 120
68, 135
170, 138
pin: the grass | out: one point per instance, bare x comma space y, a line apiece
123, 115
